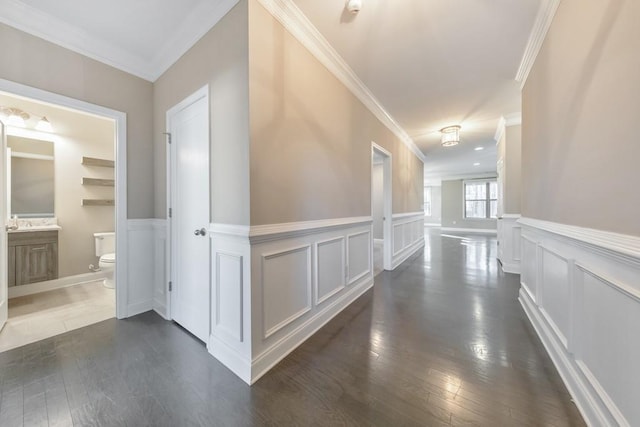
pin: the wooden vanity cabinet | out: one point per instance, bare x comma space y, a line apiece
33, 257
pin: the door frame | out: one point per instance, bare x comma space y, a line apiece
387, 202
170, 266
120, 148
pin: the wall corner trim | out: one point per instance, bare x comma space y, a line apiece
294, 21
539, 31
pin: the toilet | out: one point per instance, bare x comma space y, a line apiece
106, 250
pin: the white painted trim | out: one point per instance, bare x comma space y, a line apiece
317, 299
541, 26
469, 176
265, 233
241, 231
262, 363
408, 215
49, 285
292, 19
55, 30
587, 403
406, 252
510, 216
120, 119
621, 243
470, 230
237, 362
139, 307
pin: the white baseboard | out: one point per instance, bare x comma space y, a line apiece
471, 230
278, 351
407, 252
510, 268
139, 307
229, 357
50, 285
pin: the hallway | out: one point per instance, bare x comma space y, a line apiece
441, 340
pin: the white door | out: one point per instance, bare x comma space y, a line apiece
188, 125
4, 216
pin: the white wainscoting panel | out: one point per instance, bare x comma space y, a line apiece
581, 291
141, 268
286, 287
331, 268
509, 242
161, 261
360, 257
299, 282
408, 236
230, 340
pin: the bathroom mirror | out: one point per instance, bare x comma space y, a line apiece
32, 177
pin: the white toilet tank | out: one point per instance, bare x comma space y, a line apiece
105, 243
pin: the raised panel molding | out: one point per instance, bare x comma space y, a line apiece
228, 288
330, 268
509, 239
358, 256
141, 271
407, 236
587, 308
286, 287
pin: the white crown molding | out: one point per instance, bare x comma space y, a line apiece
201, 19
620, 243
262, 233
233, 230
539, 31
294, 21
40, 24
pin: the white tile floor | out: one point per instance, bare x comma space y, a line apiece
39, 316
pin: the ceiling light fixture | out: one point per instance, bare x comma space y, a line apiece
354, 6
479, 148
15, 116
450, 136
44, 125
476, 164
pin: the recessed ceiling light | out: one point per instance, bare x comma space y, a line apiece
476, 164
479, 148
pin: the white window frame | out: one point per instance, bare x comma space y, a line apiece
488, 199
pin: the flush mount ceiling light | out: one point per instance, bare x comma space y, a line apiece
15, 116
479, 148
354, 6
450, 136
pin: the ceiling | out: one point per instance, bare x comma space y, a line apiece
429, 63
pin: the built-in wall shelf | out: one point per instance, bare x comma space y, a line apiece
98, 202
92, 161
99, 182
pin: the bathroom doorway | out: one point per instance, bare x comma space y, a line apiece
65, 204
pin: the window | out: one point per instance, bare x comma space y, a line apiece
480, 199
427, 201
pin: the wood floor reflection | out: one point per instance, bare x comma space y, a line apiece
439, 341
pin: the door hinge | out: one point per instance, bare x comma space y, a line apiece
170, 286
168, 136
170, 213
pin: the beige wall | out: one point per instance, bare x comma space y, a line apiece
453, 208
510, 148
32, 61
219, 59
581, 106
377, 199
311, 137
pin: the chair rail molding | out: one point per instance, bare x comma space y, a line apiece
580, 290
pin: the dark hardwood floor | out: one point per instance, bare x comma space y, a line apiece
440, 341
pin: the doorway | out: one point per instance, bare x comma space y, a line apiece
188, 207
118, 193
381, 207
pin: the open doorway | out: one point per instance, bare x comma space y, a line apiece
381, 208
63, 205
